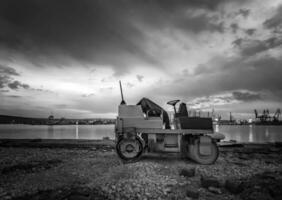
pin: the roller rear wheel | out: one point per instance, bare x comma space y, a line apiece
129, 150
194, 153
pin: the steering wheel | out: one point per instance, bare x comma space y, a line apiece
173, 102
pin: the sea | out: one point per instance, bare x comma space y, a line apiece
246, 133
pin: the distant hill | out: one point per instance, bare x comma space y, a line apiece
6, 119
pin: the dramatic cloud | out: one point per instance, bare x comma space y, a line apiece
250, 47
16, 85
6, 78
6, 74
234, 27
250, 31
246, 96
139, 78
275, 22
69, 55
221, 86
8, 70
199, 23
244, 12
88, 95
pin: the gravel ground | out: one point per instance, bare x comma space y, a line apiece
91, 173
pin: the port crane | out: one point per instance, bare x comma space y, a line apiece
266, 118
277, 115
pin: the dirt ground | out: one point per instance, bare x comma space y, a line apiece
61, 170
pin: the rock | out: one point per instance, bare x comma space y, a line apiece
234, 186
267, 175
171, 182
214, 190
239, 163
244, 157
147, 195
78, 197
187, 172
166, 190
2, 192
256, 196
207, 181
269, 161
276, 189
274, 149
7, 197
182, 183
193, 193
270, 182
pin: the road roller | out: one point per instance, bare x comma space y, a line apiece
147, 128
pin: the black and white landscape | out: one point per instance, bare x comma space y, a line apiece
66, 134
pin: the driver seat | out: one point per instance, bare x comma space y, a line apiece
182, 111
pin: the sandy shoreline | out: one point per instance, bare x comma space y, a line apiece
90, 169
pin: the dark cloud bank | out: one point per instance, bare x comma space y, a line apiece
254, 69
101, 32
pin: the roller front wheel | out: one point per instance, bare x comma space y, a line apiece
129, 150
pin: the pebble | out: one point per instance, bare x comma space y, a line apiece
78, 197
207, 181
192, 192
2, 192
187, 172
214, 190
234, 186
7, 197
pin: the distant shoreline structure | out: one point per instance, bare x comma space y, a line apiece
51, 120
7, 119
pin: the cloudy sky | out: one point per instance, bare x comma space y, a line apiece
65, 57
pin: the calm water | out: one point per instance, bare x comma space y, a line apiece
238, 133
20, 131
251, 133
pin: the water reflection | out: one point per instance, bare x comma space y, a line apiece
76, 131
50, 132
266, 132
216, 128
251, 135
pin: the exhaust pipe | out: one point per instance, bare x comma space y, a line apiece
122, 100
